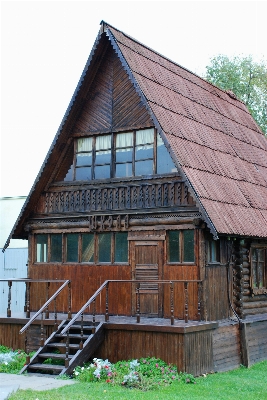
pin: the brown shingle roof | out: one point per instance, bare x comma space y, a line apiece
213, 138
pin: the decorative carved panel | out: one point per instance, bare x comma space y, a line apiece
122, 196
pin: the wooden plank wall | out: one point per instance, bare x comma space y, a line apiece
181, 272
190, 352
10, 337
256, 333
226, 348
85, 280
125, 345
198, 352
215, 292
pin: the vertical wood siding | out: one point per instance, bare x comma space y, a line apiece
226, 348
215, 289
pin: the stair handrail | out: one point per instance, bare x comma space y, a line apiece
106, 282
66, 282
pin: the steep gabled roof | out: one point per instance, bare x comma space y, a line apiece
210, 134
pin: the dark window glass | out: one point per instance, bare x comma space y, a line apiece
121, 247
189, 254
88, 247
164, 160
72, 247
214, 251
41, 248
144, 167
56, 247
259, 268
104, 247
173, 246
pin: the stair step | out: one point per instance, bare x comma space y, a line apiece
73, 336
47, 367
90, 327
71, 346
54, 356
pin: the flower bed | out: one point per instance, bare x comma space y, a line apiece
146, 373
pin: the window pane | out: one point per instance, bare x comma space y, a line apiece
103, 157
88, 247
164, 160
173, 246
124, 170
254, 267
189, 254
83, 159
84, 144
41, 248
102, 172
144, 136
124, 140
103, 142
72, 247
104, 247
214, 251
69, 175
144, 152
121, 247
83, 174
56, 247
144, 168
123, 155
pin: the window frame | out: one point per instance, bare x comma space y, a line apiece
256, 290
113, 163
95, 261
181, 247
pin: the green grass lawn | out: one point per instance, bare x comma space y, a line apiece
243, 383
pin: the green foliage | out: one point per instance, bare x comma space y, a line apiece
144, 374
11, 361
246, 78
242, 383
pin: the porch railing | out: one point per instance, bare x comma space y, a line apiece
171, 284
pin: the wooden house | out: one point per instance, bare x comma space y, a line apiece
152, 205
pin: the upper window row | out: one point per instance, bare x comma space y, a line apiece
119, 155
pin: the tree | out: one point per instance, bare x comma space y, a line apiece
247, 79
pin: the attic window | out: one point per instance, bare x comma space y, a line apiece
118, 155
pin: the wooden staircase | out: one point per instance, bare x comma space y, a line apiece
62, 353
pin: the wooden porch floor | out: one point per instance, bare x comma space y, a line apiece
120, 322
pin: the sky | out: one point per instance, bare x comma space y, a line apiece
45, 45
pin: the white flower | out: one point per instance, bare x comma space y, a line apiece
76, 373
134, 364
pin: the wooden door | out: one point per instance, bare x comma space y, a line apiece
147, 260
